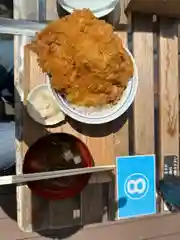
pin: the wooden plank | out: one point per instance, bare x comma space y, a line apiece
89, 195
10, 230
168, 85
103, 177
175, 236
51, 15
143, 109
92, 204
115, 17
32, 71
144, 105
121, 136
91, 192
39, 209
169, 96
65, 213
121, 144
168, 8
97, 146
123, 16
148, 228
51, 10
30, 137
22, 10
33, 211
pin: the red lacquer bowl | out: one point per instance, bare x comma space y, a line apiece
46, 155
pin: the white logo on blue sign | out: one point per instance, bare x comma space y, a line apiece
136, 186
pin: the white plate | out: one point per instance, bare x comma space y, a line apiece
101, 115
100, 8
33, 111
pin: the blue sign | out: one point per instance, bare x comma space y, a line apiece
136, 186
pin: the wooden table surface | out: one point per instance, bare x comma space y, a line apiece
150, 126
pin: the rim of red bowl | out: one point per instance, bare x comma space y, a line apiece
69, 192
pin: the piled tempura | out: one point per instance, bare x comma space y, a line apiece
86, 59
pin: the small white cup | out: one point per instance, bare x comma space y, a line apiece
32, 109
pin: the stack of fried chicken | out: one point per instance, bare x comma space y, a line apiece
85, 58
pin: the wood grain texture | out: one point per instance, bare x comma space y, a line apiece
148, 228
22, 10
65, 213
169, 92
167, 8
121, 145
92, 204
10, 230
123, 14
51, 10
143, 107
71, 212
33, 211
97, 146
121, 137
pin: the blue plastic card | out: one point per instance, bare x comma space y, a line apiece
136, 186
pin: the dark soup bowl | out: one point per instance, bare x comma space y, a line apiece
58, 151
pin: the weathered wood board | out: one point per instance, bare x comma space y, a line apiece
143, 108
139, 131
42, 214
167, 8
102, 155
169, 97
35, 213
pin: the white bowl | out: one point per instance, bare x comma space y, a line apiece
100, 8
100, 115
33, 109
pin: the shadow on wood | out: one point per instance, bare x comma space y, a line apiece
8, 202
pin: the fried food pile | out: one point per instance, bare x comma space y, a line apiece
85, 58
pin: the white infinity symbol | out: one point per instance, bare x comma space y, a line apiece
136, 186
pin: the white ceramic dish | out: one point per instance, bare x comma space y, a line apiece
99, 115
33, 108
100, 8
